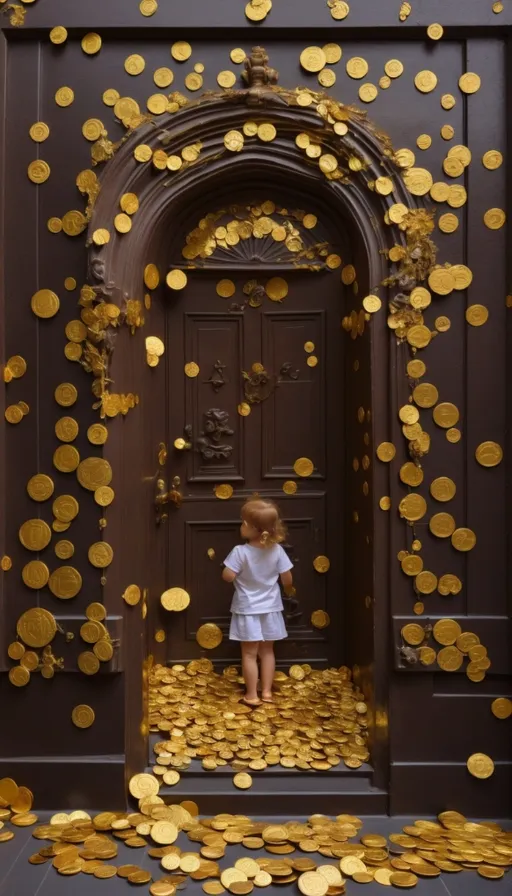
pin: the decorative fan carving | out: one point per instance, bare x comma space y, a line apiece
258, 234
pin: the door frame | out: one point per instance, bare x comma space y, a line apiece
115, 271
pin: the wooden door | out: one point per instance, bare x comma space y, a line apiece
296, 411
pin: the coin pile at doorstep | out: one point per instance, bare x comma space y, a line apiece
15, 805
423, 849
318, 719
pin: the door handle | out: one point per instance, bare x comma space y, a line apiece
164, 497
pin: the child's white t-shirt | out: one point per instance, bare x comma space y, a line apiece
257, 572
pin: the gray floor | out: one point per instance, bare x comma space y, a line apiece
19, 878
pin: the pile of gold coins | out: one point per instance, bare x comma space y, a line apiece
318, 719
423, 849
456, 646
15, 805
258, 10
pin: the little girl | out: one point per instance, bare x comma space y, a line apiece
257, 619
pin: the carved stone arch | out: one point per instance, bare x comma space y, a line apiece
116, 269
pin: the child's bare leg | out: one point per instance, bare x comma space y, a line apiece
250, 669
268, 667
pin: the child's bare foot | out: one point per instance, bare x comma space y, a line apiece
267, 697
251, 701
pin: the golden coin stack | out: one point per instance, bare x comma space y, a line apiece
317, 721
258, 10
15, 805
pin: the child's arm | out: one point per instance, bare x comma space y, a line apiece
285, 577
228, 574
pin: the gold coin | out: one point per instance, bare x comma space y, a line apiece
267, 132
65, 582
425, 395
448, 223
477, 315
435, 31
393, 68
226, 79
18, 676
40, 487
469, 82
413, 634
45, 303
450, 659
175, 599
418, 181
122, 223
91, 43
54, 225
88, 663
134, 64
181, 51
425, 81
237, 55
154, 346
463, 539
36, 627
242, 780
409, 414
225, 288
404, 879
143, 153
427, 656
66, 394
191, 369
491, 872
480, 765
501, 707
58, 35
332, 52
411, 474
64, 549
64, 96
386, 451
244, 409
303, 466
445, 414
148, 8
385, 502
424, 141
327, 77
442, 525
151, 276
443, 488
132, 595
143, 785
321, 563
489, 454
16, 650
357, 67
491, 159
94, 472
164, 832
276, 289
494, 218
372, 304
97, 434
462, 276
82, 716
209, 636
35, 534
76, 331
65, 508
101, 236
176, 279
413, 507
339, 10
39, 131
320, 619
367, 93
313, 59
104, 495
100, 554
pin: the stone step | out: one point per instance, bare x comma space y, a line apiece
278, 790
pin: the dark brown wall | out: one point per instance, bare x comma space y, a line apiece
430, 721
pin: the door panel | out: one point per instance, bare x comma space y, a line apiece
254, 453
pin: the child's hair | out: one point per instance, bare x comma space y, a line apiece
264, 516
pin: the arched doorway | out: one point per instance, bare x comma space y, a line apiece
349, 214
